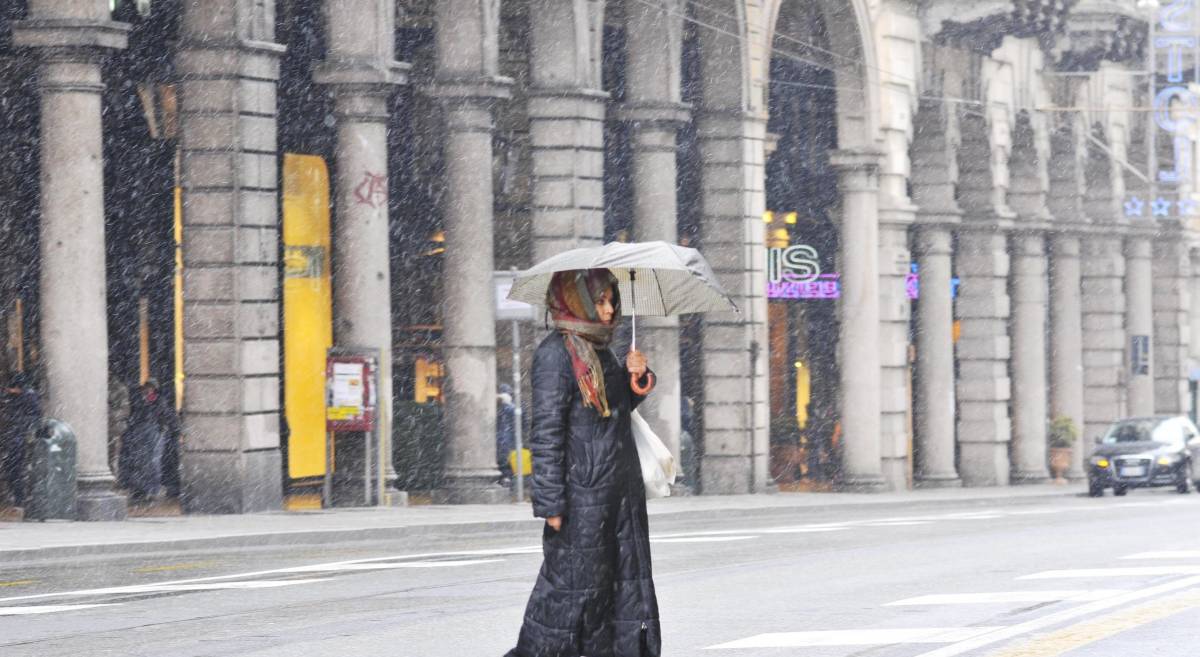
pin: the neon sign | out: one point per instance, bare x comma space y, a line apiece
828, 286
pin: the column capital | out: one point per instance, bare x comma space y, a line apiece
470, 90
938, 218
1139, 247
858, 171
361, 76
654, 116
71, 37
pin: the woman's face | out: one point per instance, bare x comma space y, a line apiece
604, 306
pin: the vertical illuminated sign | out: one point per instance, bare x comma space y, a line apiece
1174, 46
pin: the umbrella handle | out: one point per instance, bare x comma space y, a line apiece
637, 387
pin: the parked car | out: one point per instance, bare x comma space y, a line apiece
1141, 452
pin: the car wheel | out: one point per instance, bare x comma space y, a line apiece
1095, 489
1120, 491
1185, 480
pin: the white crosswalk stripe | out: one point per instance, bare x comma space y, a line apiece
1001, 597
345, 567
45, 609
701, 539
864, 637
1166, 554
1134, 571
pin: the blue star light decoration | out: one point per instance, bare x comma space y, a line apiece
1162, 207
1135, 207
1187, 207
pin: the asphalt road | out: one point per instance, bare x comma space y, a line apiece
1068, 576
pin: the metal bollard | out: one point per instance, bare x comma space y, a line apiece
50, 472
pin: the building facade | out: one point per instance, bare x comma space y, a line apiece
943, 221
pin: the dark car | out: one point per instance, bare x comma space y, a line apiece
1141, 452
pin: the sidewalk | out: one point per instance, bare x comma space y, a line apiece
52, 540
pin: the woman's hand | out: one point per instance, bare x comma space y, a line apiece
635, 362
555, 522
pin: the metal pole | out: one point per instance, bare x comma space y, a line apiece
516, 377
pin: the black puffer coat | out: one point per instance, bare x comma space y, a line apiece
595, 593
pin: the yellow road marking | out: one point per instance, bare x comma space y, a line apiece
174, 566
18, 582
1097, 629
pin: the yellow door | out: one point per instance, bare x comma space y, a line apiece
307, 310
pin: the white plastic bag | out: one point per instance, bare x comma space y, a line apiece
658, 466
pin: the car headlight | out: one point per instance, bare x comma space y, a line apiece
1168, 459
1100, 461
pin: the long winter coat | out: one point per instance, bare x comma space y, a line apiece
595, 593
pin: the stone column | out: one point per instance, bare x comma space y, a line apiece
566, 108
735, 407
858, 342
360, 69
1029, 357
1171, 269
71, 39
895, 315
228, 171
654, 218
1066, 204
1139, 323
654, 114
934, 417
983, 386
934, 183
467, 85
1066, 339
1103, 307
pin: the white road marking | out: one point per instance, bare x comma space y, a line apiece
1050, 620
44, 609
701, 539
1133, 571
803, 529
973, 516
897, 523
276, 571
1007, 596
1166, 554
855, 637
350, 567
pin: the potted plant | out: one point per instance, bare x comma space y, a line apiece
1062, 436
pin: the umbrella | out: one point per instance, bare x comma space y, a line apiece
656, 277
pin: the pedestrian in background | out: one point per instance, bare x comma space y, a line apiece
20, 410
506, 432
595, 593
151, 423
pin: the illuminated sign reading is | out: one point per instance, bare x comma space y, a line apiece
793, 264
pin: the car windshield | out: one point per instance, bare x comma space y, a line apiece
1142, 430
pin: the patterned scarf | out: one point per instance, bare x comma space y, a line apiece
571, 300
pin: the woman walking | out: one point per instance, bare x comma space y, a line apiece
594, 596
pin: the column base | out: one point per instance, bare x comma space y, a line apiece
232, 481
725, 474
984, 464
863, 483
100, 503
473, 491
1029, 478
949, 480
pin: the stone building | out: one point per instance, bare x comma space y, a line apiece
942, 221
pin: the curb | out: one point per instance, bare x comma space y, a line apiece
318, 537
